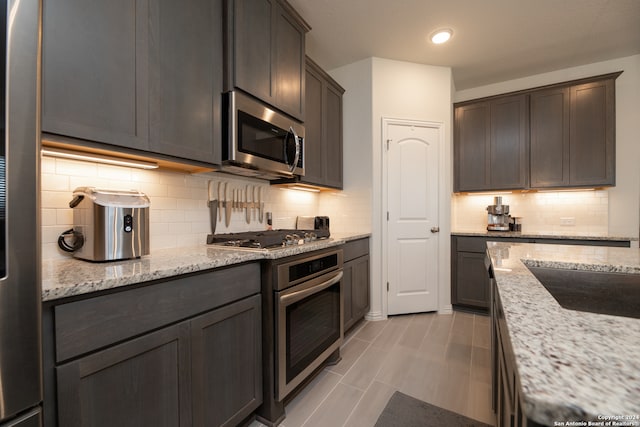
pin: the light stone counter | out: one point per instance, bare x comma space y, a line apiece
572, 365
71, 277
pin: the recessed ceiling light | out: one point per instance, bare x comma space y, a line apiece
441, 36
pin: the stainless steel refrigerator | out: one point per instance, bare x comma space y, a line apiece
20, 300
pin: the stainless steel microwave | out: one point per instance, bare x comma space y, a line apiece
258, 141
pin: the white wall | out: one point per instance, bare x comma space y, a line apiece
401, 90
350, 210
623, 218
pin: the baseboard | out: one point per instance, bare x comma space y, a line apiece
447, 309
375, 316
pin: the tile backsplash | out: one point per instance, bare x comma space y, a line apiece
179, 216
541, 212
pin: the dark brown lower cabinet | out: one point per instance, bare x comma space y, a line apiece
355, 282
471, 289
227, 363
179, 352
143, 382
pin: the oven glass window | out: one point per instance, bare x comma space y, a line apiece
260, 138
313, 324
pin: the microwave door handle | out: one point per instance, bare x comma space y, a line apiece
299, 295
293, 165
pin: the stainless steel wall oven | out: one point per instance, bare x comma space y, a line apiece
303, 304
309, 304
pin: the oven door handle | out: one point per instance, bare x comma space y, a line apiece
300, 295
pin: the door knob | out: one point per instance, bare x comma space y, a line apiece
435, 229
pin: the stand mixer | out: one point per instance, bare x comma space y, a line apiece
498, 218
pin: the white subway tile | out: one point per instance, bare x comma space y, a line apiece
159, 203
76, 168
48, 217
170, 178
47, 164
52, 182
52, 251
167, 215
55, 199
114, 172
64, 217
162, 242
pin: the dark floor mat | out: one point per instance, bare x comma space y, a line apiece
406, 411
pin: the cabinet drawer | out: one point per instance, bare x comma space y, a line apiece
93, 323
471, 244
355, 249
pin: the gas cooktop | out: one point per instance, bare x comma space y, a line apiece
269, 239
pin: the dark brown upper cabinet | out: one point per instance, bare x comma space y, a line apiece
573, 135
566, 138
549, 153
143, 75
265, 53
185, 79
95, 64
490, 144
323, 129
592, 127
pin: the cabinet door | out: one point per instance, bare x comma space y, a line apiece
253, 48
95, 66
355, 285
289, 39
333, 137
360, 287
348, 319
323, 128
509, 143
549, 161
186, 78
471, 147
592, 127
314, 152
471, 286
142, 382
227, 363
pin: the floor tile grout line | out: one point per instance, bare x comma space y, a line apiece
369, 345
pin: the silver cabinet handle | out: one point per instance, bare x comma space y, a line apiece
435, 229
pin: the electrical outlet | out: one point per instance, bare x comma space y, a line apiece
568, 220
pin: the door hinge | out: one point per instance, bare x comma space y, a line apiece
388, 141
387, 286
387, 215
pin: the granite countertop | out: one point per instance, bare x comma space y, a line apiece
572, 365
71, 277
542, 235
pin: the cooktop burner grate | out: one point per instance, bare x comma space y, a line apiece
267, 239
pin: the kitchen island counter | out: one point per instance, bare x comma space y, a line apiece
572, 365
72, 277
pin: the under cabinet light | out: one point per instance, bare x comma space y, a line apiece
303, 188
97, 158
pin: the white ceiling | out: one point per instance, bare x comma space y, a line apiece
493, 41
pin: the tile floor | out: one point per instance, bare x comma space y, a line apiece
440, 359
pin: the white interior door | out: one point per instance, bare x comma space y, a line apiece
412, 225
